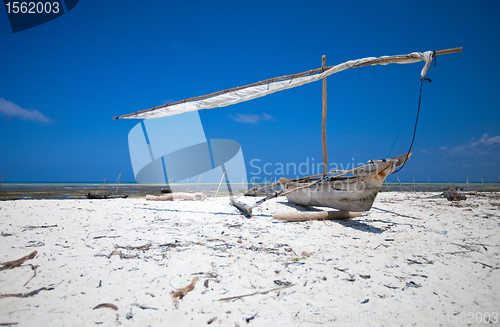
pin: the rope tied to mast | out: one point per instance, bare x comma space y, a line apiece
416, 123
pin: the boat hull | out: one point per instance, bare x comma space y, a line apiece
345, 194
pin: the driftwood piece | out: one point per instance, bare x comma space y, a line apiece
34, 227
244, 208
200, 196
140, 247
183, 291
143, 307
18, 262
32, 293
255, 293
320, 215
106, 305
121, 254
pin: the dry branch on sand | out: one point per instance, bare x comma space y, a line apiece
18, 262
255, 293
183, 291
32, 293
106, 305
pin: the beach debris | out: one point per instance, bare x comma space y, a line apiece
34, 269
426, 261
251, 318
364, 276
106, 305
34, 227
106, 236
468, 249
140, 247
183, 291
282, 283
207, 275
486, 265
255, 293
8, 323
443, 232
423, 276
365, 301
33, 244
6, 234
32, 293
129, 315
397, 214
143, 307
382, 296
170, 245
211, 320
319, 215
454, 195
391, 287
200, 196
384, 245
245, 209
18, 262
128, 256
119, 253
350, 279
412, 284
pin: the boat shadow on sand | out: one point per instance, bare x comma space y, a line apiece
346, 222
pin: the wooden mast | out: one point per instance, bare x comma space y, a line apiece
323, 125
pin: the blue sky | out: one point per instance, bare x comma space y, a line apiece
62, 82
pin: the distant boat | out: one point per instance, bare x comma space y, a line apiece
106, 194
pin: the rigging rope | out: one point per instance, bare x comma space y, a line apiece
416, 122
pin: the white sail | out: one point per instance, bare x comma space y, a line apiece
252, 92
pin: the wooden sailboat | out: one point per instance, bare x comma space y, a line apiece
338, 189
345, 193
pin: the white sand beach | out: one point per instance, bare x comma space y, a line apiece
386, 268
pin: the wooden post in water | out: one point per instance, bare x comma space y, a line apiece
400, 184
468, 190
386, 185
323, 125
102, 188
223, 174
3, 179
118, 183
482, 183
429, 179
